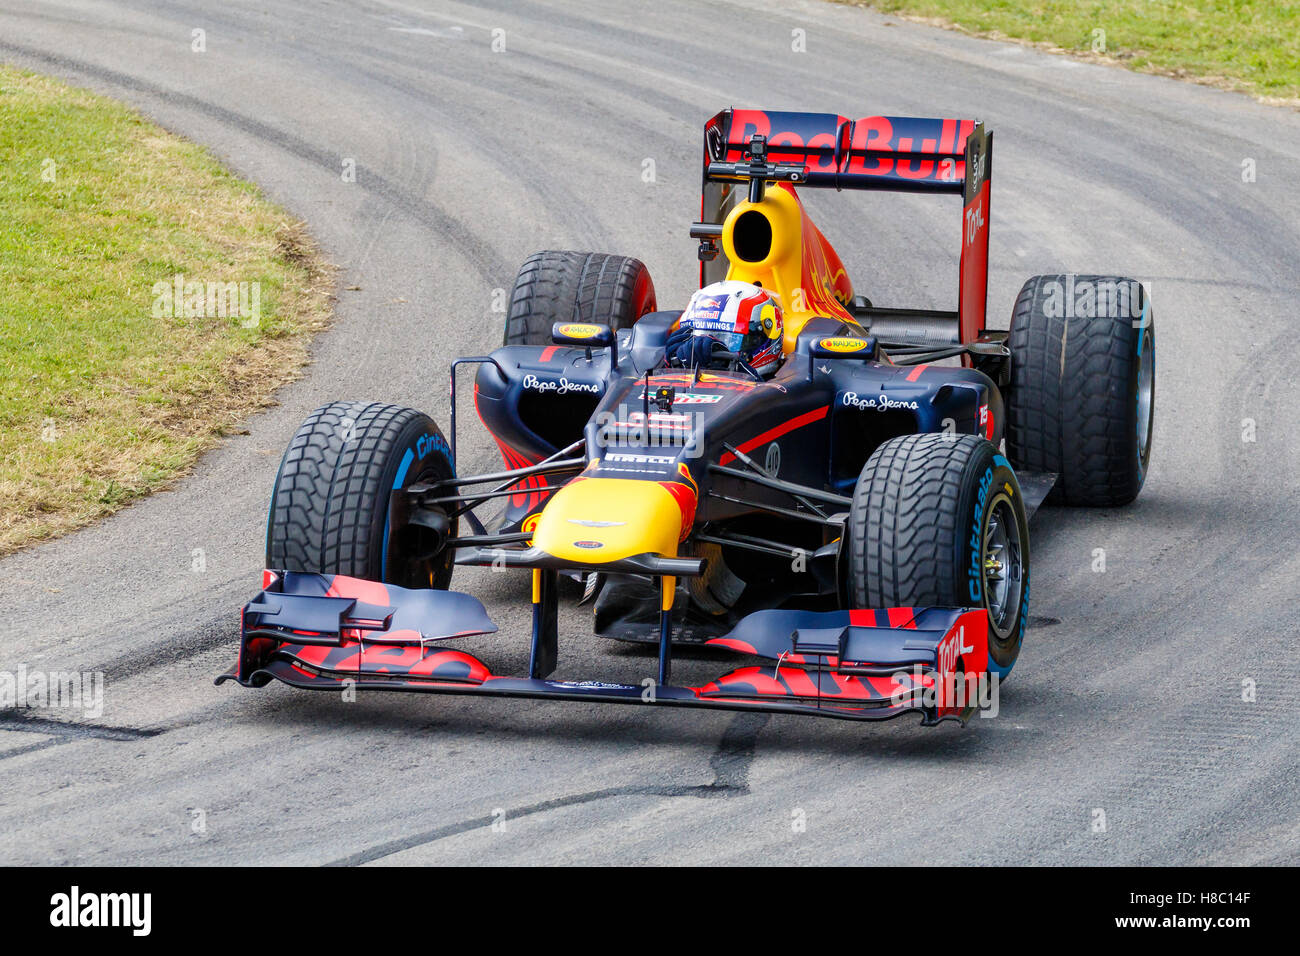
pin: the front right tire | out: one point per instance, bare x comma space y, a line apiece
938, 520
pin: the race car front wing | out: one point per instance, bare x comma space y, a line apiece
331, 632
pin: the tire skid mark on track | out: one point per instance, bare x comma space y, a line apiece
30, 748
217, 633
553, 190
26, 722
730, 764
478, 256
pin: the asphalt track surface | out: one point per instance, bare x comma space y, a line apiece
1127, 699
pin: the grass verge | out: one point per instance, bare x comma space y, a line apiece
111, 384
1247, 45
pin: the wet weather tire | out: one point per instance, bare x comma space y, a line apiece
329, 510
939, 521
1081, 402
555, 286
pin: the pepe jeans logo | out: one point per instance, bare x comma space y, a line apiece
561, 386
880, 403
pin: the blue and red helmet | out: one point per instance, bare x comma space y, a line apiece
745, 318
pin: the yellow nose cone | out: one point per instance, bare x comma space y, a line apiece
597, 520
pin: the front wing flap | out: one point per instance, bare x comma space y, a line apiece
331, 631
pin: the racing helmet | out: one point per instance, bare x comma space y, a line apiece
745, 318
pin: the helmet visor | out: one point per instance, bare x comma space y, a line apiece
731, 341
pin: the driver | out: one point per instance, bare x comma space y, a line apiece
728, 322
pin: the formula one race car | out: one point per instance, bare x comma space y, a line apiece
782, 470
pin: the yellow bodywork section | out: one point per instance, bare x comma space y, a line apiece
796, 266
598, 520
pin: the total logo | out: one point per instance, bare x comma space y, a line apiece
880, 403
560, 386
951, 649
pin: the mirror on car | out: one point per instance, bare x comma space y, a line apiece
582, 334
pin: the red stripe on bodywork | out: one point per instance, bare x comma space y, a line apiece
478, 671
807, 418
902, 617
913, 375
514, 459
731, 643
756, 677
800, 682
370, 592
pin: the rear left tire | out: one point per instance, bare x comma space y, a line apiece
1081, 401
555, 286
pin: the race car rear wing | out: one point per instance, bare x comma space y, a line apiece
898, 154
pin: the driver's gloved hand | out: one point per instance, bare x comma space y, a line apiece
687, 350
673, 348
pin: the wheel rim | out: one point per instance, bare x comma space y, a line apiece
1145, 392
417, 572
1003, 560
